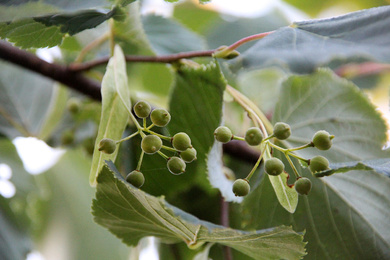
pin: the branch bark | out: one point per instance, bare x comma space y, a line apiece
53, 71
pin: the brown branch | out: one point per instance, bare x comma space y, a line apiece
53, 71
77, 67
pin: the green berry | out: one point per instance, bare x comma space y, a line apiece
274, 166
181, 141
318, 164
176, 165
107, 145
73, 105
303, 186
253, 136
142, 109
135, 178
241, 188
223, 134
188, 155
322, 140
282, 130
151, 144
160, 117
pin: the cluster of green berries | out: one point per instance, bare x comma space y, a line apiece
273, 166
152, 143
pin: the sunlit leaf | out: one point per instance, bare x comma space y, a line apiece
131, 214
116, 107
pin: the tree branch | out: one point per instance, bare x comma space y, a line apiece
53, 71
77, 67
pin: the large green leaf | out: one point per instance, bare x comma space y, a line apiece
116, 107
25, 102
345, 216
196, 108
131, 214
304, 46
323, 101
342, 212
167, 36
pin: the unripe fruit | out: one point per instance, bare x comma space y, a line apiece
67, 137
135, 178
142, 109
253, 136
181, 141
188, 155
73, 105
107, 145
241, 188
176, 165
322, 140
303, 186
318, 164
282, 130
274, 166
223, 134
151, 144
160, 117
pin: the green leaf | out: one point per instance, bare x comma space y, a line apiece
304, 46
378, 165
25, 101
345, 216
116, 107
287, 196
49, 31
196, 108
131, 214
28, 33
323, 101
168, 36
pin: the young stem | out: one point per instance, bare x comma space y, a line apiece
254, 167
159, 135
140, 161
292, 166
144, 123
168, 148
128, 137
301, 147
248, 39
163, 155
92, 45
235, 137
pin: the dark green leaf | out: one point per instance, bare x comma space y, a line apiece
131, 214
304, 46
378, 165
167, 36
323, 101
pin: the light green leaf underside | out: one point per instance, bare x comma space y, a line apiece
322, 101
115, 110
131, 214
286, 195
305, 46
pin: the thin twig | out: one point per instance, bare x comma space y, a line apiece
227, 251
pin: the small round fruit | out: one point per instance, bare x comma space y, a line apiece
181, 141
322, 140
142, 109
176, 165
107, 145
73, 105
253, 136
160, 117
151, 144
135, 178
318, 164
241, 188
67, 137
282, 130
303, 186
188, 155
223, 134
274, 166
